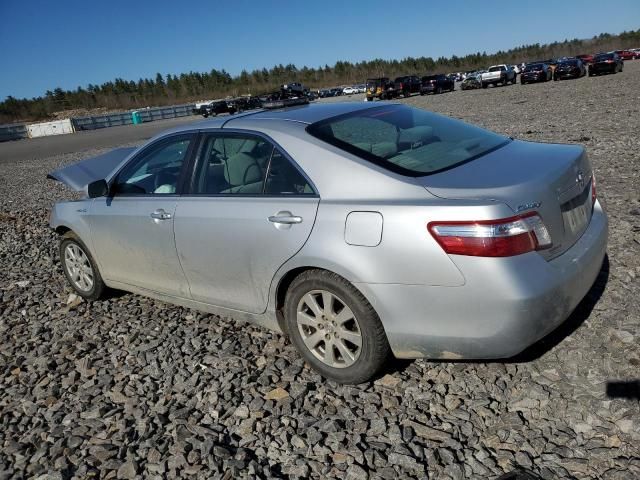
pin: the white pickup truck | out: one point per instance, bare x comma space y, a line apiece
498, 74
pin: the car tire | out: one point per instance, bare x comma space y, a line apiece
439, 90
360, 363
80, 268
522, 82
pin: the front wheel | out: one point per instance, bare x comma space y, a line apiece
334, 327
80, 268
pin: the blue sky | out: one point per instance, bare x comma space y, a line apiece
69, 43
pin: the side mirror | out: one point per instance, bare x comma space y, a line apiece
99, 188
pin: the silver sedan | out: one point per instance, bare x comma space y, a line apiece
359, 231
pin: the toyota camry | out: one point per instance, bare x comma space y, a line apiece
360, 231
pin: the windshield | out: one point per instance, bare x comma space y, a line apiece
407, 140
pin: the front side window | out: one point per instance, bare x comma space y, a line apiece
407, 140
238, 164
156, 170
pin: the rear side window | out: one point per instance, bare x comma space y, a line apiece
238, 164
407, 140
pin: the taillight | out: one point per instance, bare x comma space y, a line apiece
593, 189
492, 238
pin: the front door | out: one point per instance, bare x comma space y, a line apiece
132, 229
250, 210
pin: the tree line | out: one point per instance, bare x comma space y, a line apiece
187, 87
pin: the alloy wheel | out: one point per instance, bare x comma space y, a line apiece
329, 328
78, 267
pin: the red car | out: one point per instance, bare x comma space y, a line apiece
585, 58
626, 54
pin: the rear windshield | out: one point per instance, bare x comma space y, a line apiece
606, 56
497, 69
569, 62
530, 68
407, 140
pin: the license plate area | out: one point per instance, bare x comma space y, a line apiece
576, 213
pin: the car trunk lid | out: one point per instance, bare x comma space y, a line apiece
554, 180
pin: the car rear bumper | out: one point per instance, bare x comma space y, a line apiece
505, 305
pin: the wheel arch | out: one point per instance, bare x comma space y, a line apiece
62, 229
290, 274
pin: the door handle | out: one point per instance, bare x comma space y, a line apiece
160, 214
285, 218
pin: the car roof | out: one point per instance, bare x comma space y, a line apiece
302, 114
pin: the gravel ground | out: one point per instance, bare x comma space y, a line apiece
131, 387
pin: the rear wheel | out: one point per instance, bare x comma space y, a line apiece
80, 268
334, 327
439, 90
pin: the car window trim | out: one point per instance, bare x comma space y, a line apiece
192, 136
189, 190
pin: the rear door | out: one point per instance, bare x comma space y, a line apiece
249, 209
132, 229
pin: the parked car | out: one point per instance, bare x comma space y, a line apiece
586, 58
216, 108
349, 90
362, 88
319, 220
625, 54
407, 85
381, 88
337, 91
535, 72
324, 93
636, 52
437, 84
471, 82
571, 68
606, 63
498, 75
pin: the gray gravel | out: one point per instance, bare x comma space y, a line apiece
129, 386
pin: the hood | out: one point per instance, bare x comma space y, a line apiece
78, 175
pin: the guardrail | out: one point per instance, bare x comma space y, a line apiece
14, 131
125, 118
17, 131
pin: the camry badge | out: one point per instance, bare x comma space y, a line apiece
528, 206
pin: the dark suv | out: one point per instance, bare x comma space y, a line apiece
381, 88
215, 108
407, 85
437, 84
